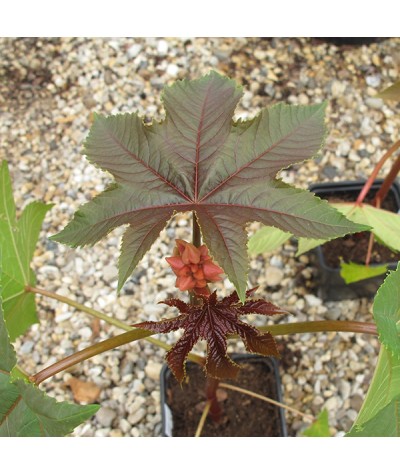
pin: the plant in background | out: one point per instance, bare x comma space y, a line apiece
197, 160
384, 225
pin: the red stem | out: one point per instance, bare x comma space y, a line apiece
375, 171
211, 383
211, 392
387, 183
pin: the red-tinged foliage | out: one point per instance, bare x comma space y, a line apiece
200, 159
213, 321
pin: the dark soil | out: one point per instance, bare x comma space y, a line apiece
243, 416
353, 248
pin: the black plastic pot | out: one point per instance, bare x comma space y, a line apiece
331, 284
273, 391
350, 40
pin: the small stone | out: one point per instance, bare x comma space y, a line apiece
162, 48
85, 333
110, 273
27, 347
356, 401
344, 148
276, 261
152, 370
125, 426
172, 70
330, 171
373, 81
338, 88
89, 101
332, 403
108, 77
333, 313
366, 127
374, 102
134, 50
105, 416
133, 419
137, 404
344, 388
318, 401
312, 300
274, 276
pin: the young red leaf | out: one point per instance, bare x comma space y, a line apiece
213, 321
198, 160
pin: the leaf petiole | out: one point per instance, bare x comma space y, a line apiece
107, 318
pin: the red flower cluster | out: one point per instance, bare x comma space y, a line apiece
193, 267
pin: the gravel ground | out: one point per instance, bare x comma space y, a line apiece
49, 89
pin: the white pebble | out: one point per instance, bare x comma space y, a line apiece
152, 370
134, 50
162, 47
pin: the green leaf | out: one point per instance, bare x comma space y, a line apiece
8, 358
319, 428
34, 414
199, 160
18, 240
386, 311
25, 411
386, 423
267, 239
391, 93
385, 224
305, 245
352, 272
385, 384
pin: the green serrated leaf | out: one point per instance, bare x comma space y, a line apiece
392, 93
8, 358
267, 239
305, 245
352, 272
18, 240
386, 311
385, 384
386, 423
384, 224
35, 414
199, 160
319, 428
25, 410
383, 389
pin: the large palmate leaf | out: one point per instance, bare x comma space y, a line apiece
199, 160
18, 240
25, 410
